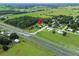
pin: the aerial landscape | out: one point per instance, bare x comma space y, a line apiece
39, 29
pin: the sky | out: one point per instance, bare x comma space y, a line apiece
39, 1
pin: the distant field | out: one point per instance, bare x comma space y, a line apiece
4, 8
48, 13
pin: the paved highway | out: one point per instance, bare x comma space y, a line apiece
51, 45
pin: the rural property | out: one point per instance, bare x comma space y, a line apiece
39, 29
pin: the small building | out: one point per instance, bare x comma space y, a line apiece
77, 31
8, 34
49, 28
77, 20
2, 32
61, 25
16, 40
69, 29
60, 32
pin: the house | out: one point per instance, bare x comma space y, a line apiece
77, 31
61, 25
2, 33
69, 29
60, 32
49, 28
8, 34
77, 20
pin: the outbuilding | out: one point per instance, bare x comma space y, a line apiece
77, 31
69, 29
60, 32
49, 28
16, 40
2, 32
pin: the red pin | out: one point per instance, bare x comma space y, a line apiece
40, 22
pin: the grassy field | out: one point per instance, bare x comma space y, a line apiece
27, 48
69, 41
65, 41
4, 8
48, 13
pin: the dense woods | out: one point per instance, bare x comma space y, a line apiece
22, 22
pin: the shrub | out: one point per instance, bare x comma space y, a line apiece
5, 48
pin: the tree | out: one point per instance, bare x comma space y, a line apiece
5, 48
14, 36
64, 33
49, 24
2, 18
4, 40
22, 22
53, 31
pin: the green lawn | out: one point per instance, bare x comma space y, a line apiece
70, 41
28, 48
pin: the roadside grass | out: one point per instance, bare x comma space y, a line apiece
70, 53
28, 48
69, 41
31, 31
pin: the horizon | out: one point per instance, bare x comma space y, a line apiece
39, 1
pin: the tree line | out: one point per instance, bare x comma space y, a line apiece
6, 41
22, 22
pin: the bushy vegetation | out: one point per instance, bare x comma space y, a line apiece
13, 36
63, 19
6, 40
22, 22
